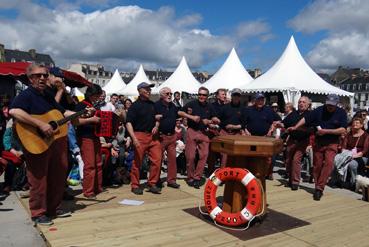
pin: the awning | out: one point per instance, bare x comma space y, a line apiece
18, 70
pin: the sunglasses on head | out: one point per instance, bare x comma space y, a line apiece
203, 94
39, 75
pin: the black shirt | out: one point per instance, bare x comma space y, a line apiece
141, 115
327, 120
63, 100
217, 107
230, 114
86, 130
34, 102
205, 111
258, 121
168, 121
291, 120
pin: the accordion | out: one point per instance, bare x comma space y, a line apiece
109, 124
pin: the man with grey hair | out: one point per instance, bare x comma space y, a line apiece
166, 113
330, 122
46, 171
297, 142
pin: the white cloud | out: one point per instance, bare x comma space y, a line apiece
346, 24
125, 33
252, 29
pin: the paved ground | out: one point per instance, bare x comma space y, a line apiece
16, 228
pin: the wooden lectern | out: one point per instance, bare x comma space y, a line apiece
250, 152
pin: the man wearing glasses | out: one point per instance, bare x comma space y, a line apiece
143, 129
46, 172
200, 115
166, 113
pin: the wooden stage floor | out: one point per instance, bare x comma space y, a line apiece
172, 219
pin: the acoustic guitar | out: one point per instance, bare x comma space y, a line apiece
34, 141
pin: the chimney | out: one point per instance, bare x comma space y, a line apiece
32, 52
2, 53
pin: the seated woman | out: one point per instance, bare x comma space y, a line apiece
356, 140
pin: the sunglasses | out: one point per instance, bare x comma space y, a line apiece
39, 75
168, 94
203, 94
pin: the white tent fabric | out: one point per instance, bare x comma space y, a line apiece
231, 75
131, 88
115, 84
181, 80
291, 75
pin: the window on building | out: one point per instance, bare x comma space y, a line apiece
13, 60
359, 88
367, 86
353, 87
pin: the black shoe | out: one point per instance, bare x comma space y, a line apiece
196, 184
174, 185
317, 195
3, 196
294, 186
60, 213
154, 189
190, 183
137, 191
159, 184
42, 220
270, 177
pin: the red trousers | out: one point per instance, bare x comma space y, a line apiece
295, 152
168, 143
46, 174
107, 153
323, 163
196, 140
92, 170
151, 145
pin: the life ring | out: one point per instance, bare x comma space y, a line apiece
253, 192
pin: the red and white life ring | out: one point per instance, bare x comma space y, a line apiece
253, 192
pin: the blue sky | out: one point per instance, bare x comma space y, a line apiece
158, 33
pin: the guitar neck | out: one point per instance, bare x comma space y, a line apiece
71, 117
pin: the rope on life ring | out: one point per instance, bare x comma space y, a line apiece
249, 212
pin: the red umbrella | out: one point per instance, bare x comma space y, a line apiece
18, 70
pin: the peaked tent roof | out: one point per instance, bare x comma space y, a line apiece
231, 75
115, 84
181, 80
131, 88
292, 73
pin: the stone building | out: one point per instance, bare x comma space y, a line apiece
9, 55
95, 73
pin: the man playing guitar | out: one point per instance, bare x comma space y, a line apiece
46, 171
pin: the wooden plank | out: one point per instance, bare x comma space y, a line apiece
161, 221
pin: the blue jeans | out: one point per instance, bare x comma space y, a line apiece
353, 168
72, 140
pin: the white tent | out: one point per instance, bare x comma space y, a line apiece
181, 80
291, 75
131, 88
115, 84
231, 75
